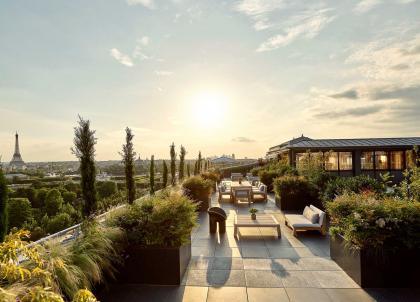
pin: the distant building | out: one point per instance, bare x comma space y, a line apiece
223, 160
350, 157
17, 163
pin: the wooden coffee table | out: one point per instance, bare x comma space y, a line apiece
262, 221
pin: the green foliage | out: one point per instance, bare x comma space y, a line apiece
165, 175
188, 170
40, 198
106, 188
129, 157
368, 221
59, 222
199, 163
357, 184
214, 176
165, 220
182, 154
197, 188
173, 164
69, 197
4, 215
410, 187
253, 211
152, 175
295, 189
84, 149
53, 202
19, 212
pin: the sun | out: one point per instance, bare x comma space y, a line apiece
209, 109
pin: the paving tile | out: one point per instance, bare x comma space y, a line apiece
200, 262
277, 243
187, 294
257, 264
267, 295
263, 278
334, 279
227, 252
196, 278
226, 277
287, 264
304, 252
300, 279
319, 264
349, 295
227, 263
202, 251
283, 252
231, 294
254, 252
308, 294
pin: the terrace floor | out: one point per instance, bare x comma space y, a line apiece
259, 267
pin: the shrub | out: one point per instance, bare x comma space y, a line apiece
53, 202
69, 197
106, 188
357, 184
40, 198
295, 192
165, 220
213, 176
19, 212
366, 220
4, 218
59, 222
197, 188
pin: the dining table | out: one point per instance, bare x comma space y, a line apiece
244, 188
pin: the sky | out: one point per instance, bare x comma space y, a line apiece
222, 77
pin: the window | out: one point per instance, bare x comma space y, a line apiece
346, 161
331, 161
367, 160
397, 160
381, 160
300, 160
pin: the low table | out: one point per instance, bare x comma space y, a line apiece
262, 221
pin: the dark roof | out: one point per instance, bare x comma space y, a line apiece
289, 143
357, 143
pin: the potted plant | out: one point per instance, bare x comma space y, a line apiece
199, 190
158, 230
253, 213
375, 240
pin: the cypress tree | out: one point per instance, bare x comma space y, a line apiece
84, 149
199, 163
4, 219
182, 163
165, 175
128, 158
152, 175
188, 170
173, 165
196, 168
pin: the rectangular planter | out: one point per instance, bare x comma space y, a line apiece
298, 205
383, 269
155, 265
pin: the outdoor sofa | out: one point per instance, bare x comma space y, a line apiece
312, 218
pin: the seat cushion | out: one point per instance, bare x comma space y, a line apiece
310, 215
300, 221
321, 214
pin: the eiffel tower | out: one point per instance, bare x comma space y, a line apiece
17, 162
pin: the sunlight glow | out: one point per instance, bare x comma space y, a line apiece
209, 109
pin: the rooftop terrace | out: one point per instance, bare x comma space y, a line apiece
259, 267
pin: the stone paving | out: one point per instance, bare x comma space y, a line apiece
259, 267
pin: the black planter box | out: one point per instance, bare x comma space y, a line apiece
154, 265
383, 269
298, 204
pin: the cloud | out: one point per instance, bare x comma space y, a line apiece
350, 112
122, 58
164, 73
306, 25
146, 3
410, 93
258, 7
366, 5
348, 94
144, 40
241, 139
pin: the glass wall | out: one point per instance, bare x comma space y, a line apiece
381, 160
346, 161
300, 157
397, 160
367, 160
331, 161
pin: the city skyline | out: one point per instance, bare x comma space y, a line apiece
220, 77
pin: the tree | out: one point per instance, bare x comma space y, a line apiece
129, 158
195, 168
182, 162
106, 188
69, 197
53, 202
3, 206
173, 166
152, 175
199, 163
165, 175
188, 170
84, 150
20, 211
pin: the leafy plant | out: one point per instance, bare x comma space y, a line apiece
165, 219
173, 164
295, 190
368, 221
165, 175
253, 211
19, 212
182, 154
4, 215
152, 175
197, 188
53, 202
128, 158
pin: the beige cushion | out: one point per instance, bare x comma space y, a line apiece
309, 214
320, 213
300, 221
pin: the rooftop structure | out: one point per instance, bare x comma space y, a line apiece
17, 163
